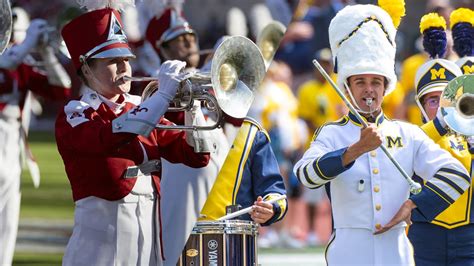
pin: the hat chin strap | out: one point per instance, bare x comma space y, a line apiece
356, 106
422, 110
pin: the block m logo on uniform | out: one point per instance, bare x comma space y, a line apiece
394, 142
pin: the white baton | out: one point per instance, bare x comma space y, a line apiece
248, 209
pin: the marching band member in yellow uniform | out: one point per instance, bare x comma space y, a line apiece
449, 238
370, 200
250, 175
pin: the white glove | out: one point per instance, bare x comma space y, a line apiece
201, 140
57, 75
143, 118
15, 55
169, 78
35, 32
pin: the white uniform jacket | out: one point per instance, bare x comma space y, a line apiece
368, 192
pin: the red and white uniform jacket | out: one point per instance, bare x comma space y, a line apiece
14, 84
96, 159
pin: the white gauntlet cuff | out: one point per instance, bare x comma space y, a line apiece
143, 118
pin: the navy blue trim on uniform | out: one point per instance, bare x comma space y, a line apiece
341, 122
306, 175
277, 213
378, 120
454, 172
330, 164
428, 203
441, 130
449, 182
440, 192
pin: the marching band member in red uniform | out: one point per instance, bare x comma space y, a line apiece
17, 81
111, 149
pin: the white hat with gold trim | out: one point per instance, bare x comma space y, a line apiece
435, 74
362, 39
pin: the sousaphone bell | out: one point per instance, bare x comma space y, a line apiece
5, 24
457, 105
269, 39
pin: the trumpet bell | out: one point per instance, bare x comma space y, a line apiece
457, 105
269, 39
236, 72
5, 24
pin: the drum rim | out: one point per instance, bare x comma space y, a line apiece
226, 227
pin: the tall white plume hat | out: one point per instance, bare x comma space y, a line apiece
362, 39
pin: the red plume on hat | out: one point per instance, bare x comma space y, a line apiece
168, 23
99, 33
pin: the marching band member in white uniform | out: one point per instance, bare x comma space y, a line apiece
370, 199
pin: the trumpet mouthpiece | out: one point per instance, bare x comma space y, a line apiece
127, 78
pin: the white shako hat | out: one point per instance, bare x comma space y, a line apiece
362, 39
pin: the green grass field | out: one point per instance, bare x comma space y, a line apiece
53, 199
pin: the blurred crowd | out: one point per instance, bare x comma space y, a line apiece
294, 99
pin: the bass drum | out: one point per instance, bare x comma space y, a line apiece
226, 243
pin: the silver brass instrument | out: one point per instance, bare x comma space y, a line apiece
457, 105
50, 38
415, 188
6, 22
268, 40
236, 72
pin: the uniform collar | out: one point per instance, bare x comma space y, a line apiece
115, 107
378, 120
94, 99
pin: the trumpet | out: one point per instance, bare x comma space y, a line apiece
6, 22
457, 105
236, 72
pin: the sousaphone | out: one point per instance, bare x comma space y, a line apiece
457, 105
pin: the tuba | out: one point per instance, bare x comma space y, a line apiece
5, 24
457, 105
236, 72
268, 40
